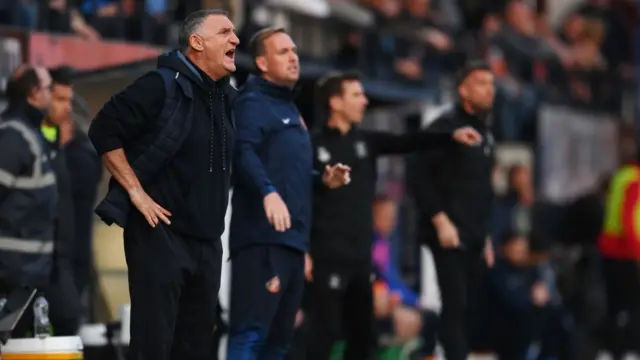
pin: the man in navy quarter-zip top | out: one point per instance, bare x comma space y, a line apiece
167, 140
271, 219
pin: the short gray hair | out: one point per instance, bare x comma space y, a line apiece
193, 22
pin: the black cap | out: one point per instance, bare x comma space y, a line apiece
469, 67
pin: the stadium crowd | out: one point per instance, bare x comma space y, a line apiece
546, 291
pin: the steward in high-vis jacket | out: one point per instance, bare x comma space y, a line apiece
619, 245
28, 193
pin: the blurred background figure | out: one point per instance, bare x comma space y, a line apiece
62, 294
523, 308
397, 307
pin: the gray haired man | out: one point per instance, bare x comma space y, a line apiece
167, 140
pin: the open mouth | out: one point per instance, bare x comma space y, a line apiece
231, 54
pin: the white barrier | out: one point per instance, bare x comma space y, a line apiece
62, 348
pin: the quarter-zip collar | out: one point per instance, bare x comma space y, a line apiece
335, 132
177, 61
272, 89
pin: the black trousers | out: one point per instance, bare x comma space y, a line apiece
458, 273
622, 284
173, 284
65, 308
341, 307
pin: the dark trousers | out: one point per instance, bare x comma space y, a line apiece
173, 283
341, 304
458, 275
65, 308
622, 281
267, 283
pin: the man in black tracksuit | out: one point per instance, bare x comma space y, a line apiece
342, 227
453, 192
167, 140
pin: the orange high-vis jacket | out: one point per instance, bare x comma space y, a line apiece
620, 236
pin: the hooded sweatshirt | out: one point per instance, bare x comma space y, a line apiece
194, 185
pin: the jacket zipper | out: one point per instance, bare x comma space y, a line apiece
212, 138
223, 153
212, 135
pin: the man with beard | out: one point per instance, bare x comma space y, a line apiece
453, 192
342, 226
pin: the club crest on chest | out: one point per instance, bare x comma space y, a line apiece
361, 149
323, 155
273, 285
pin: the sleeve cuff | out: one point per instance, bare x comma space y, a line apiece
108, 144
268, 190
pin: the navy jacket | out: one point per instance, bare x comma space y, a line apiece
28, 198
273, 153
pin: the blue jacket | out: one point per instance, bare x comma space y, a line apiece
272, 153
511, 286
387, 271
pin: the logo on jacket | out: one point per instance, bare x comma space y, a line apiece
488, 144
273, 285
334, 282
286, 121
323, 155
361, 149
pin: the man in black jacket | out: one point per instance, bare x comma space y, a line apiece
453, 191
167, 140
342, 227
62, 294
28, 191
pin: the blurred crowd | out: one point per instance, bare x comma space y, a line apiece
544, 291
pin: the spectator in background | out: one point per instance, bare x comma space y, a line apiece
616, 44
513, 209
522, 308
127, 19
393, 299
85, 169
62, 294
22, 13
584, 217
513, 53
59, 17
104, 15
422, 56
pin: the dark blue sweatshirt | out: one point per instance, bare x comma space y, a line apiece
273, 153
